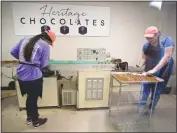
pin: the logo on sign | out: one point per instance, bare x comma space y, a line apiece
60, 16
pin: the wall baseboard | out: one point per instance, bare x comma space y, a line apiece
5, 88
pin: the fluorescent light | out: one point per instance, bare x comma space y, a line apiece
156, 4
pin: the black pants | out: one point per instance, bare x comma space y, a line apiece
33, 89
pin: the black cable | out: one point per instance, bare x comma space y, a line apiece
59, 77
66, 78
6, 76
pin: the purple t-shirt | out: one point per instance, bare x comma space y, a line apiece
40, 57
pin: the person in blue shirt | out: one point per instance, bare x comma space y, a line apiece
157, 58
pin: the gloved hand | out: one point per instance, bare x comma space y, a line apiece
150, 72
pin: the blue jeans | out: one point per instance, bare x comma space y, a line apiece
147, 88
165, 74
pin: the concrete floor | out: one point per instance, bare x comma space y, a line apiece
71, 120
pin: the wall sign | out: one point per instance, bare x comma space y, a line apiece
64, 20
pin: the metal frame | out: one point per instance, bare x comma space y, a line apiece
119, 96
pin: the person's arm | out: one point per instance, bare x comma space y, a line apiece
45, 57
142, 61
143, 57
169, 48
167, 56
15, 50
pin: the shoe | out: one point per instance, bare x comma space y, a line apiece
40, 121
28, 121
148, 112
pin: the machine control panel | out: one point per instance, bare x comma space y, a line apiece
88, 54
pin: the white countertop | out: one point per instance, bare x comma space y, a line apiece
94, 70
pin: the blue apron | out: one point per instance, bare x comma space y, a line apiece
154, 54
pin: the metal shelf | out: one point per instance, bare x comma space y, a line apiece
132, 118
131, 122
126, 98
124, 105
124, 111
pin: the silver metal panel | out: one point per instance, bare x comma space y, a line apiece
100, 84
89, 94
94, 94
94, 84
100, 94
89, 84
94, 88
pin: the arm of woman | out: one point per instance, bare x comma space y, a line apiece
165, 59
169, 48
143, 56
15, 50
45, 56
143, 60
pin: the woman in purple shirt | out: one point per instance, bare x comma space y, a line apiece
33, 55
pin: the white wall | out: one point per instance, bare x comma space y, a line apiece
128, 22
169, 25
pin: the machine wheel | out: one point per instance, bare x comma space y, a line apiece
12, 85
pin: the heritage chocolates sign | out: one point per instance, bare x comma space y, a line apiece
64, 20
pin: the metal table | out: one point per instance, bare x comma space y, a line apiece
116, 114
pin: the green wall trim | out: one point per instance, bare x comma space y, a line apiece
80, 62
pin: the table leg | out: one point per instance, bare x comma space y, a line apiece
110, 92
118, 101
141, 90
153, 99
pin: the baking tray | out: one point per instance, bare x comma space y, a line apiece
134, 82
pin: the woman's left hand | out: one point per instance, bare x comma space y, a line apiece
150, 72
